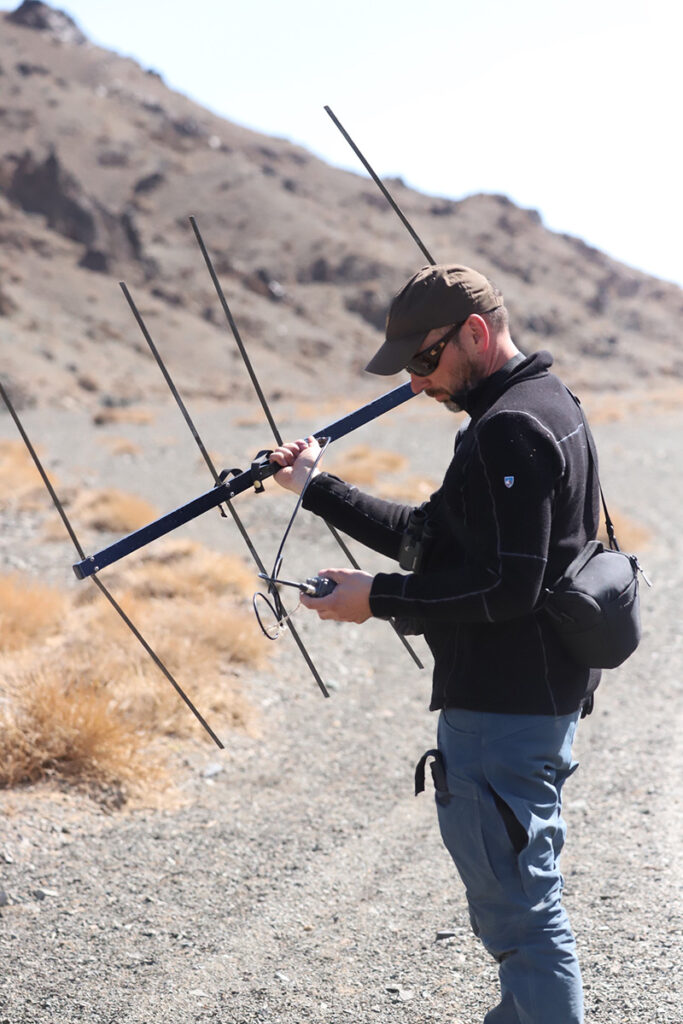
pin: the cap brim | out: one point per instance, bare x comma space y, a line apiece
394, 356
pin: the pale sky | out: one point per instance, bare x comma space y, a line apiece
572, 107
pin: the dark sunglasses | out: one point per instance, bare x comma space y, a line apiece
425, 362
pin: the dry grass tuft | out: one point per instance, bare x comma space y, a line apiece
121, 446
58, 728
320, 413
19, 478
216, 457
248, 420
183, 568
213, 626
631, 536
362, 464
80, 699
28, 611
412, 490
200, 642
112, 510
613, 407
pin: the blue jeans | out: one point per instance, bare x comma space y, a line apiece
500, 819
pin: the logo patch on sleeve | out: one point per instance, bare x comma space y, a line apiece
508, 481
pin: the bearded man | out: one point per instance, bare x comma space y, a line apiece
518, 502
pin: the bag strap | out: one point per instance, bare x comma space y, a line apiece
609, 525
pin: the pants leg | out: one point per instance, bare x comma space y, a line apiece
500, 820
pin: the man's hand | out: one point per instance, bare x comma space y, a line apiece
297, 459
350, 599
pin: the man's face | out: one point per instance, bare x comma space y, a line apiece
455, 373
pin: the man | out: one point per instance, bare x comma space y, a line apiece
517, 503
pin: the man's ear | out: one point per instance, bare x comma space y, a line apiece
479, 331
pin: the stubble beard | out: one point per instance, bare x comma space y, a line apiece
456, 401
450, 402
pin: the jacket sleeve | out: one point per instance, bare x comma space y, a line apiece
374, 522
506, 502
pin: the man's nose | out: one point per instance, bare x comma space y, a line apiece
418, 384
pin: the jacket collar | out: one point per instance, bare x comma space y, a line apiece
480, 398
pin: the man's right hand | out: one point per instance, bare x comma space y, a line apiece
297, 459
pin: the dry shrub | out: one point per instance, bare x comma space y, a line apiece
196, 641
362, 464
612, 407
631, 536
112, 510
28, 611
122, 415
248, 420
19, 478
216, 458
189, 631
57, 728
315, 412
81, 697
412, 490
184, 568
217, 627
121, 446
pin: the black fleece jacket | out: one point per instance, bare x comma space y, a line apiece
517, 503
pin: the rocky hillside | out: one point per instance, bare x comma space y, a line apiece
101, 166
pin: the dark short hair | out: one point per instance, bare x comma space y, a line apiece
498, 319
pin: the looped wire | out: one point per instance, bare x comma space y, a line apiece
273, 600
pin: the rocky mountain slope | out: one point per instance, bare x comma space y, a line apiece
101, 166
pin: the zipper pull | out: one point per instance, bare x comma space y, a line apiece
640, 569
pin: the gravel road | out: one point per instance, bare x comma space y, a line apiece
296, 878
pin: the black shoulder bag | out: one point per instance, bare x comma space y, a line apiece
595, 605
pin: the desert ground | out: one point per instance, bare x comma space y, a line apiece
293, 876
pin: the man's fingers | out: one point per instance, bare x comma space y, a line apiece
286, 454
320, 604
333, 574
348, 602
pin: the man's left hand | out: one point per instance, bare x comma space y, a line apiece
350, 599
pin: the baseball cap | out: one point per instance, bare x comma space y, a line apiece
434, 297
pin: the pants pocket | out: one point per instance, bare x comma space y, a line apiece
461, 821
516, 832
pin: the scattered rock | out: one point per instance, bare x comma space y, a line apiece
261, 282
36, 15
370, 304
189, 128
113, 158
87, 383
47, 187
149, 183
26, 70
95, 259
403, 995
319, 270
172, 298
41, 894
442, 209
19, 394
